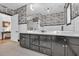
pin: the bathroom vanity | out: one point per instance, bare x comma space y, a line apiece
56, 43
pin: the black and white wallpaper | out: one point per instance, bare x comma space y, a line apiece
46, 20
22, 18
75, 10
53, 19
50, 19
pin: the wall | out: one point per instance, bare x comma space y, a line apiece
74, 26
4, 17
50, 21
75, 9
22, 28
52, 28
53, 19
17, 28
1, 26
14, 28
22, 21
76, 20
70, 27
21, 14
68, 18
36, 26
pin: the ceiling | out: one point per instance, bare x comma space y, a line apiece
43, 7
13, 5
37, 7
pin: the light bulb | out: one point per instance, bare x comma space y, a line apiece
31, 7
48, 10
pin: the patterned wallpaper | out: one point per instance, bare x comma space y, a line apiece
6, 10
46, 20
75, 9
53, 19
22, 14
50, 19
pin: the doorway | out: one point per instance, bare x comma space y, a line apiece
5, 27
9, 28
14, 28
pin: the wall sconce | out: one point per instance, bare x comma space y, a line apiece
48, 10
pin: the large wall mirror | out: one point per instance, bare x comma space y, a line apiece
32, 23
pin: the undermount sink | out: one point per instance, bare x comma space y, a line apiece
43, 31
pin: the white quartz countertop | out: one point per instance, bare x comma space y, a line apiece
57, 33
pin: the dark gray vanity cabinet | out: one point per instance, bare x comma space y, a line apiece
51, 44
41, 43
73, 46
70, 51
66, 46
47, 44
24, 40
74, 51
58, 49
59, 46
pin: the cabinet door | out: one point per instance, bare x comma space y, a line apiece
71, 51
45, 44
24, 40
75, 51
27, 40
58, 50
34, 39
34, 42
45, 41
58, 46
73, 48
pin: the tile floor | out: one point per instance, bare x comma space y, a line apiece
11, 48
